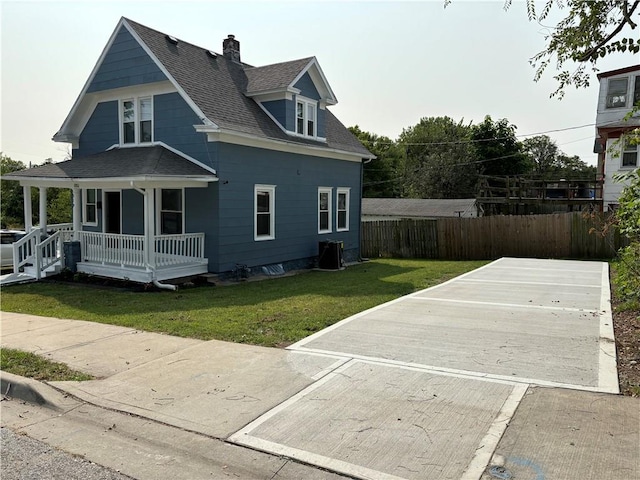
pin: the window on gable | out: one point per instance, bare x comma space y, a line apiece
264, 207
342, 210
324, 210
171, 211
630, 155
617, 92
137, 120
89, 212
306, 118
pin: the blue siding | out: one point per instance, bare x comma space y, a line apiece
132, 212
101, 131
201, 215
125, 64
297, 179
173, 125
283, 111
322, 123
307, 87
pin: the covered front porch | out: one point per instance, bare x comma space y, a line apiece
129, 227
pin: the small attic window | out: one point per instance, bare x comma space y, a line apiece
212, 54
171, 39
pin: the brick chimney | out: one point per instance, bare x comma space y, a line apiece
231, 48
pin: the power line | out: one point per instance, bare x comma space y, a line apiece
471, 141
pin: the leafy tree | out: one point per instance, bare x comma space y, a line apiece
12, 205
497, 148
382, 176
543, 153
550, 162
628, 219
59, 200
439, 161
590, 31
574, 168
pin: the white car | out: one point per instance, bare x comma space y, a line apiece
7, 238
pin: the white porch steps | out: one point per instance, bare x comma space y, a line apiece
47, 272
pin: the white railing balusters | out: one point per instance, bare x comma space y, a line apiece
128, 250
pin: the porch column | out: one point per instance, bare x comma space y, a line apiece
43, 209
77, 212
28, 225
149, 225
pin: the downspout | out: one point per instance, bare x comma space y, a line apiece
156, 283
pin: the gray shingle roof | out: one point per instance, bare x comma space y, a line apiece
119, 162
418, 207
276, 76
218, 86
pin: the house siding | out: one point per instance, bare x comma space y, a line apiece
173, 125
201, 215
307, 87
101, 131
283, 111
125, 64
297, 179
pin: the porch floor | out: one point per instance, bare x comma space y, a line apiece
142, 275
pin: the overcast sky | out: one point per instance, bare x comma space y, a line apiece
389, 63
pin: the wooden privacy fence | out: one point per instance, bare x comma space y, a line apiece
564, 235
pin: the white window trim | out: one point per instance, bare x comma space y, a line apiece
624, 150
271, 190
85, 203
347, 192
136, 119
328, 190
626, 95
306, 102
158, 203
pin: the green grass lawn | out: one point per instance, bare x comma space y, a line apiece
33, 366
274, 312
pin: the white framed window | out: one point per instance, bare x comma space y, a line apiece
306, 117
629, 155
136, 116
617, 92
90, 207
636, 91
171, 211
342, 210
264, 212
324, 209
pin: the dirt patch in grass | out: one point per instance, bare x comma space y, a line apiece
626, 325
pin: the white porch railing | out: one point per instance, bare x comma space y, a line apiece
24, 249
49, 251
177, 249
128, 250
124, 250
65, 229
42, 254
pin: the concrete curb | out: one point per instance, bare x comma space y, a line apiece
21, 388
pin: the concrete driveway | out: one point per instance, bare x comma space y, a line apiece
430, 381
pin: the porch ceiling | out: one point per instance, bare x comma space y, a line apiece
153, 166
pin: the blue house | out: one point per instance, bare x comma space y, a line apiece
186, 161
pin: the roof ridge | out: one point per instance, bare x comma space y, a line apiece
306, 59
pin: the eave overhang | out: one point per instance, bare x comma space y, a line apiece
237, 138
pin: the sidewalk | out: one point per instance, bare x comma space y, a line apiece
464, 380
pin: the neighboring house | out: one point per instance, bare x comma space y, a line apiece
186, 162
398, 208
619, 92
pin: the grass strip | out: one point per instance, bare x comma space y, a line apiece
34, 366
274, 312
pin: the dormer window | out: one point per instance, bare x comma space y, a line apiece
306, 117
137, 121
